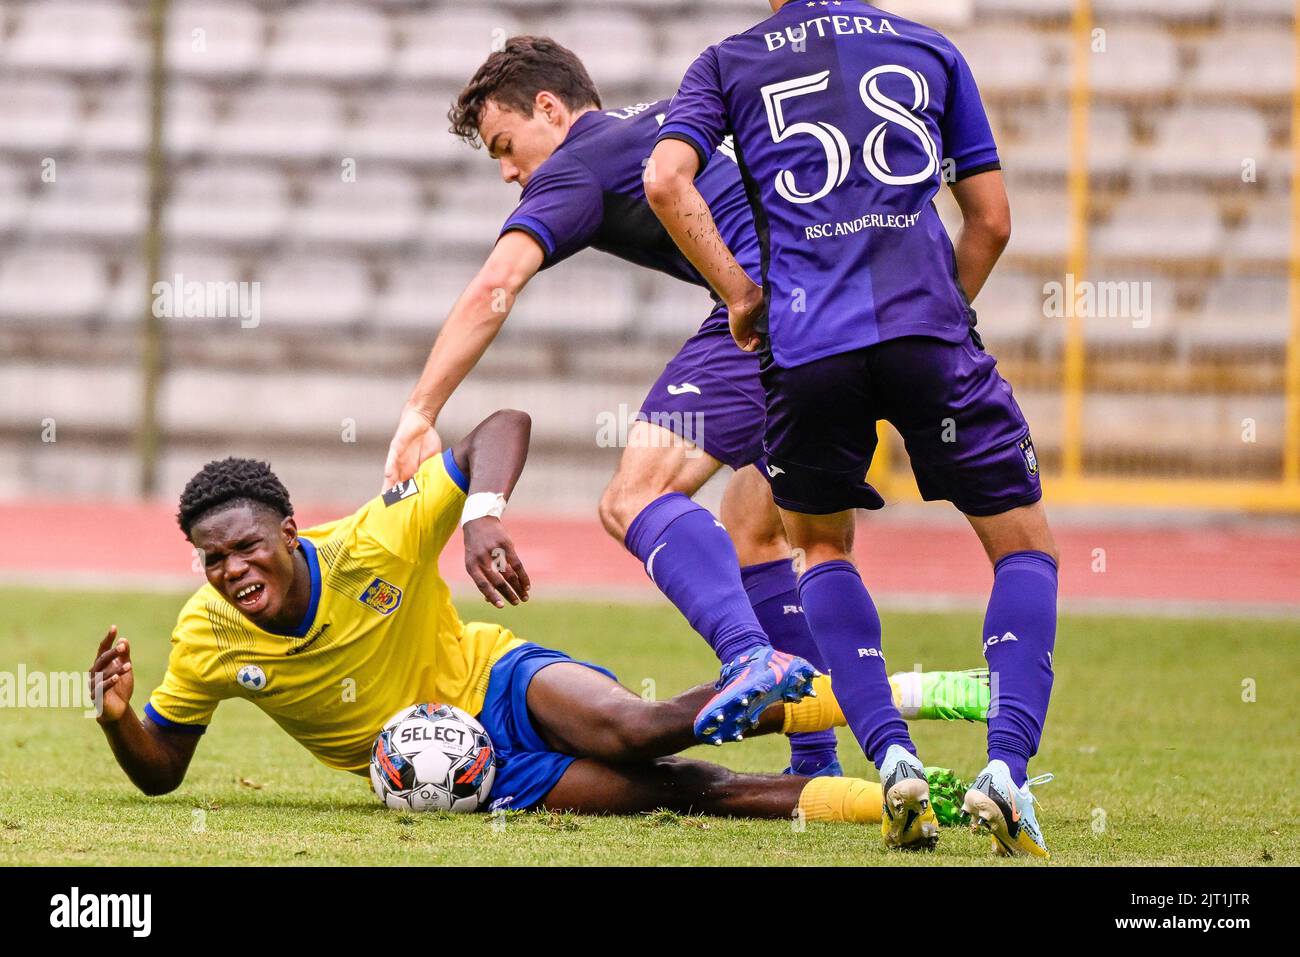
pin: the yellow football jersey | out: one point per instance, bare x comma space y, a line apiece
380, 634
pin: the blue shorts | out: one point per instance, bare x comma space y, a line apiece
711, 395
527, 768
966, 437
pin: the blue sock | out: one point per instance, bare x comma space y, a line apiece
774, 593
846, 627
1019, 636
688, 554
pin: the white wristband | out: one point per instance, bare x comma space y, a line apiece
482, 504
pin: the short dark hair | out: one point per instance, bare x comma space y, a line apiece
514, 75
228, 482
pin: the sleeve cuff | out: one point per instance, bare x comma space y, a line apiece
981, 163
679, 131
163, 722
536, 229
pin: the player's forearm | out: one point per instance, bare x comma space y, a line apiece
495, 452
685, 214
978, 248
473, 324
150, 766
985, 230
475, 321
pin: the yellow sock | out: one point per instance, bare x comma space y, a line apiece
814, 714
823, 712
841, 799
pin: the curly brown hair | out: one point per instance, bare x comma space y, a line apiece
514, 75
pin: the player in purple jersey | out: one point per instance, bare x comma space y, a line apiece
539, 114
846, 120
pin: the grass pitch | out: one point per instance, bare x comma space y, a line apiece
1159, 758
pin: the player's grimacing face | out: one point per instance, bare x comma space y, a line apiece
521, 143
248, 556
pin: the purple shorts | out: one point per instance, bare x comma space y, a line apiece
967, 438
710, 394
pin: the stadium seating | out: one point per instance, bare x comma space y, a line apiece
307, 152
85, 39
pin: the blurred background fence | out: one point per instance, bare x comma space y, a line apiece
1146, 309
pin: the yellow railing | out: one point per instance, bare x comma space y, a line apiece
1070, 483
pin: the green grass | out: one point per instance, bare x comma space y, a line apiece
1157, 757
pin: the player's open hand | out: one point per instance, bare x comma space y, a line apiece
744, 316
491, 561
112, 679
415, 441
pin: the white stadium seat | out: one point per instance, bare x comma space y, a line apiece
1264, 238
420, 292
331, 43
278, 122
91, 201
469, 216
78, 38
1207, 142
1136, 63
1010, 63
1242, 313
378, 209
618, 49
1040, 225
672, 310
1139, 312
239, 205
1175, 11
583, 299
1043, 149
1245, 65
1171, 229
34, 391
40, 116
1027, 9
51, 285
313, 291
214, 40
406, 127
14, 200
120, 122
1250, 11
1010, 308
449, 46
682, 44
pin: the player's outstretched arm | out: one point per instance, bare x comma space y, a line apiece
154, 759
493, 457
985, 228
473, 323
670, 190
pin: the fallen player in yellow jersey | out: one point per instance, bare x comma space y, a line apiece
331, 630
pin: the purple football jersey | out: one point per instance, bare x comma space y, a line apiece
846, 120
589, 193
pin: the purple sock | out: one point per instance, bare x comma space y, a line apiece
687, 553
844, 623
1019, 636
774, 593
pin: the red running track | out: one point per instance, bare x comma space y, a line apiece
126, 544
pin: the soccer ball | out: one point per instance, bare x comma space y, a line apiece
432, 757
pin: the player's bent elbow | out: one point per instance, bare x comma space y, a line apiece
661, 190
